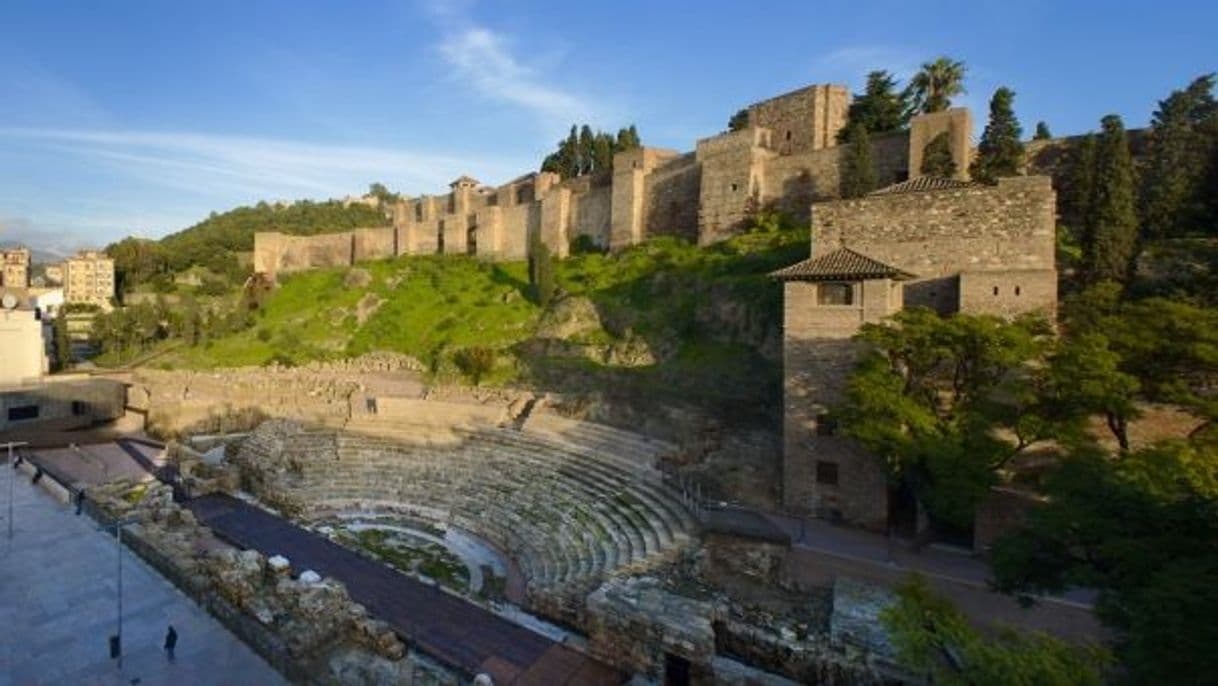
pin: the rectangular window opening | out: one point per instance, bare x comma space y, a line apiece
826, 473
835, 294
22, 412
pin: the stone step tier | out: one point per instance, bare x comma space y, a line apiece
555, 498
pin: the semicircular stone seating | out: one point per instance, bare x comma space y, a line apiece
567, 501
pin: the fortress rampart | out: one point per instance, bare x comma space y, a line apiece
787, 158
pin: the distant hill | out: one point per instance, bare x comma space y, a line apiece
233, 231
215, 242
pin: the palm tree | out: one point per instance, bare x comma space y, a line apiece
932, 88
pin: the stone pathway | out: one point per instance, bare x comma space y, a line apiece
58, 605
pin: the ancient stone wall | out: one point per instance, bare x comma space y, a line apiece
731, 181
590, 213
938, 235
793, 182
672, 192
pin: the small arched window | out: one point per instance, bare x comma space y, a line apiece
735, 187
995, 290
1017, 290
788, 135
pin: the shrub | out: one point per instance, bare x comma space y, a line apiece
475, 362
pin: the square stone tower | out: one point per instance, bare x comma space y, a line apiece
803, 120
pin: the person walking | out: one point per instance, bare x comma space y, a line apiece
171, 642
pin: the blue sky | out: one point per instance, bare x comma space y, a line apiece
140, 117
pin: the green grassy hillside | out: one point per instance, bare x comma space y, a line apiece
664, 317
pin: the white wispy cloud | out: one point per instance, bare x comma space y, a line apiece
851, 63
483, 59
486, 60
209, 162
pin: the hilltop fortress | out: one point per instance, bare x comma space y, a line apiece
948, 244
786, 158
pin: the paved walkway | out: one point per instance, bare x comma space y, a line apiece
58, 604
444, 626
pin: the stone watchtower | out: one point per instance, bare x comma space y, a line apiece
949, 245
826, 300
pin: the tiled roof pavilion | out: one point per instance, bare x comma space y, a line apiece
842, 264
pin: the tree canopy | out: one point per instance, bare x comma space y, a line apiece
879, 108
1179, 181
584, 152
935, 84
1000, 152
1143, 530
932, 637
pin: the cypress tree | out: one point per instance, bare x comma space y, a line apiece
63, 345
541, 271
999, 153
1111, 237
1042, 132
937, 158
587, 150
858, 172
1173, 198
1080, 184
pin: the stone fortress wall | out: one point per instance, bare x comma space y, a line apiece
787, 158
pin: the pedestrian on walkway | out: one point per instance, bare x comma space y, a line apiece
171, 642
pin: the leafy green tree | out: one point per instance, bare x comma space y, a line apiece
879, 108
1000, 152
627, 139
136, 261
475, 362
858, 172
739, 121
1042, 132
937, 158
1143, 531
1110, 236
1085, 378
945, 403
1174, 198
932, 637
382, 194
935, 84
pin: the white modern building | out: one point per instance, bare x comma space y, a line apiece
23, 347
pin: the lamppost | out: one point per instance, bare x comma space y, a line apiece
12, 477
116, 641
